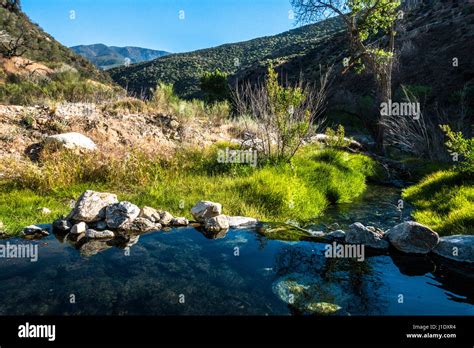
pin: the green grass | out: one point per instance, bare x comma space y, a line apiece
444, 201
299, 191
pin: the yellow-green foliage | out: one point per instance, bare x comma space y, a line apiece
336, 138
300, 190
444, 201
63, 86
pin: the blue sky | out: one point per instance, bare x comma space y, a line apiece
156, 23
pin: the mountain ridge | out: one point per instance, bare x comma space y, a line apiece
106, 57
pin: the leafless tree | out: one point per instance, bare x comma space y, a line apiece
281, 137
12, 46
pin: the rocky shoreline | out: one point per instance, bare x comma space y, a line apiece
101, 216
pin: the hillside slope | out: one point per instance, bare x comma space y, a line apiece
185, 69
106, 57
430, 36
38, 46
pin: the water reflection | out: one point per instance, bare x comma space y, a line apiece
147, 274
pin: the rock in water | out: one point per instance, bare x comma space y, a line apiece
34, 232
179, 221
62, 225
458, 248
204, 210
359, 234
322, 308
93, 247
120, 214
141, 225
79, 228
240, 221
93, 234
412, 237
151, 214
217, 223
73, 140
91, 206
338, 234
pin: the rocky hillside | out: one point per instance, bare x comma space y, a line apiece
21, 38
106, 57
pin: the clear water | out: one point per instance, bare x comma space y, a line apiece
183, 272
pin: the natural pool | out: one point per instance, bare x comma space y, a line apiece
242, 273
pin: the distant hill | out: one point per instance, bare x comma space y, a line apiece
106, 57
38, 46
185, 69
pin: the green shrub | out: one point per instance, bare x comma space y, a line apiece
461, 149
336, 138
214, 86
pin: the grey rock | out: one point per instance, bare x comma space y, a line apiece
120, 214
62, 225
73, 140
99, 225
412, 237
151, 214
34, 232
458, 248
316, 233
241, 221
165, 218
93, 234
204, 210
338, 234
91, 206
179, 221
141, 225
79, 228
359, 234
217, 223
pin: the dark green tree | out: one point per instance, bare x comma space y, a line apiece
214, 85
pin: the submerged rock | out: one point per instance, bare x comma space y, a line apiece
458, 248
73, 140
93, 234
412, 237
359, 234
93, 247
322, 308
204, 210
179, 221
91, 206
217, 223
34, 232
120, 214
241, 221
